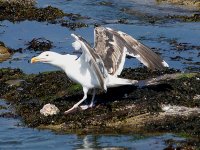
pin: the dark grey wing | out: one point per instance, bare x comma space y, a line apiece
113, 46
93, 59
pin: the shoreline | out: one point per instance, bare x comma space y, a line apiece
140, 110
187, 3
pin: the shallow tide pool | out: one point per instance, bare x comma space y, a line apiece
13, 135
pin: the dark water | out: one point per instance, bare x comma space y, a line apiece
159, 36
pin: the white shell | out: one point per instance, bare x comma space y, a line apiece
49, 110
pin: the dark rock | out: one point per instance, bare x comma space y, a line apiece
14, 11
105, 3
123, 21
121, 110
40, 44
73, 25
193, 18
8, 115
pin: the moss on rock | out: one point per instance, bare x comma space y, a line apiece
20, 11
187, 3
121, 110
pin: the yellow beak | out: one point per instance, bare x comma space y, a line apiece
34, 60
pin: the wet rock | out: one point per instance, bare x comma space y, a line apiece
191, 144
75, 17
40, 44
105, 3
10, 74
179, 124
187, 3
22, 2
145, 73
142, 15
152, 19
49, 110
176, 58
193, 68
5, 52
15, 82
179, 58
121, 110
2, 107
182, 46
8, 115
179, 110
73, 25
123, 21
196, 97
19, 11
192, 18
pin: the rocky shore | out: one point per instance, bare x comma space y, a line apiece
187, 3
26, 10
170, 106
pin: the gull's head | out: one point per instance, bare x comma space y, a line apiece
46, 57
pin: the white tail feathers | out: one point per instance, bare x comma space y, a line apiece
115, 81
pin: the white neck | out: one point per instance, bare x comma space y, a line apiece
63, 61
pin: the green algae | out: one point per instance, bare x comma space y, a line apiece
187, 75
74, 88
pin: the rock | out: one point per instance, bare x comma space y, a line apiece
24, 2
40, 44
179, 110
196, 97
105, 3
187, 3
27, 10
4, 53
125, 109
49, 110
15, 82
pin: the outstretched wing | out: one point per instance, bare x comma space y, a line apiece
92, 58
113, 46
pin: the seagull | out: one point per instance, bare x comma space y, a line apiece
99, 67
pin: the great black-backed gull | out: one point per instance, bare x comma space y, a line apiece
98, 67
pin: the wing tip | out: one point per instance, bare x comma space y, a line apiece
165, 64
74, 36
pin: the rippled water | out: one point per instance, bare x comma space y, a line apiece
14, 136
16, 35
156, 36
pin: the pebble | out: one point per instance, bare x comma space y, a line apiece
4, 53
49, 110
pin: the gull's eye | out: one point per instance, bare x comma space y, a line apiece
47, 54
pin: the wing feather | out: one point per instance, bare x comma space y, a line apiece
112, 45
94, 60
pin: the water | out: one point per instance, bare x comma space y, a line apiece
182, 32
15, 136
16, 35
